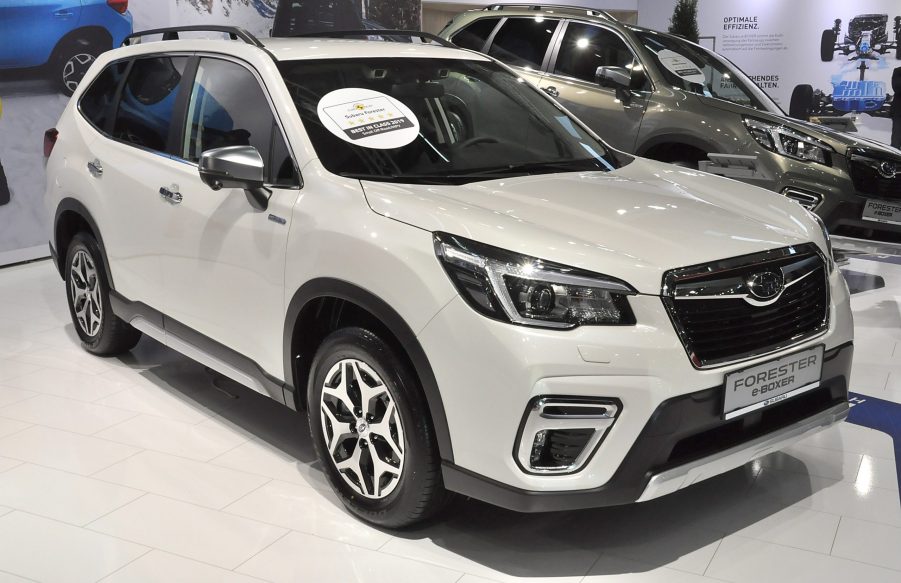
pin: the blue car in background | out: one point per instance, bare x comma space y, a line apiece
63, 36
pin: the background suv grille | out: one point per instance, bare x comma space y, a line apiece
868, 182
720, 321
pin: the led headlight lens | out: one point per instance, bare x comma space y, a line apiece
788, 142
525, 290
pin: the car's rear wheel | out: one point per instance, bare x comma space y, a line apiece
827, 45
801, 104
372, 431
72, 61
87, 289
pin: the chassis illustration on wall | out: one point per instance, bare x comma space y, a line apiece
63, 37
866, 41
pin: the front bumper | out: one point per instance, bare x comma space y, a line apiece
659, 462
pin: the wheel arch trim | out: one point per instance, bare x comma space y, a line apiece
326, 287
72, 205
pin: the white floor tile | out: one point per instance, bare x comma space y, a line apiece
60, 495
65, 383
66, 414
303, 557
153, 400
307, 510
802, 528
48, 551
10, 369
64, 450
74, 359
158, 566
195, 441
11, 426
9, 395
610, 569
878, 473
869, 542
189, 530
815, 461
851, 438
10, 578
7, 464
261, 458
744, 560
184, 479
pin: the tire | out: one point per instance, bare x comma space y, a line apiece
827, 45
801, 105
70, 63
407, 487
87, 291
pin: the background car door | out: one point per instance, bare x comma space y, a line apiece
125, 166
571, 80
31, 28
224, 261
524, 43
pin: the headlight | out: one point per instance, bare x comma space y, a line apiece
788, 142
830, 259
524, 290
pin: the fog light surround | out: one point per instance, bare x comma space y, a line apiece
558, 435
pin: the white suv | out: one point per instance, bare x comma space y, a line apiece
464, 288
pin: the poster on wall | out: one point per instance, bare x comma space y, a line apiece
815, 58
46, 47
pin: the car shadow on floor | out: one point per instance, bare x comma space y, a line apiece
683, 528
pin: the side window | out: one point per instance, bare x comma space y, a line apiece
522, 42
586, 47
228, 108
474, 36
97, 102
144, 115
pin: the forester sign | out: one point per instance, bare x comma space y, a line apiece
841, 54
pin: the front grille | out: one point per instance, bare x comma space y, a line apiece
868, 181
720, 320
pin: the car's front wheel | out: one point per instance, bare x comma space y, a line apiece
372, 430
72, 61
827, 45
100, 330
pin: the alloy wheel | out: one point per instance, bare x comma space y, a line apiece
362, 428
84, 287
75, 69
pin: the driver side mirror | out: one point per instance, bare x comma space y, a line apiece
618, 78
236, 167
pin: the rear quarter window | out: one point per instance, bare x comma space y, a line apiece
97, 102
475, 34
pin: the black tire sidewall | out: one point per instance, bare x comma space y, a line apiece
801, 104
85, 242
420, 452
827, 45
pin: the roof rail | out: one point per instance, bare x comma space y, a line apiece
553, 7
171, 33
384, 33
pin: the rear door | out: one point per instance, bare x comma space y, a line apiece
524, 43
31, 29
571, 80
223, 261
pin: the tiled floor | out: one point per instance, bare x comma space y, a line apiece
147, 468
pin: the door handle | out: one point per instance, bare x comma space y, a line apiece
552, 91
95, 168
64, 13
171, 194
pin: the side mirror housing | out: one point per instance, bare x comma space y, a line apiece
236, 167
618, 78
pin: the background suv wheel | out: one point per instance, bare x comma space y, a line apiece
372, 430
87, 289
72, 61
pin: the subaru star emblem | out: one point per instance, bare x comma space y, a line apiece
766, 285
887, 169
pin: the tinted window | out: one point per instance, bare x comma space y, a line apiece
586, 47
474, 36
522, 42
228, 108
144, 116
97, 102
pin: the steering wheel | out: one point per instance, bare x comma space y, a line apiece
476, 140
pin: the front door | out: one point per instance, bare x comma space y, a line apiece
224, 261
571, 80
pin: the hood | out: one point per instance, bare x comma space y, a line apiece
633, 224
841, 142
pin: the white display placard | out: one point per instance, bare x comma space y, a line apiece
681, 66
367, 118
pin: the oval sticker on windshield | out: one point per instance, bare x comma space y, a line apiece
681, 66
368, 118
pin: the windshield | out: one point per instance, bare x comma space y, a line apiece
434, 121
690, 67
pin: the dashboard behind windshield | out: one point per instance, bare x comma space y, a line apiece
466, 121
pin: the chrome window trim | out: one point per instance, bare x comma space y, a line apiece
669, 295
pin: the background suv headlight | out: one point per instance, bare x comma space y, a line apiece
525, 290
788, 142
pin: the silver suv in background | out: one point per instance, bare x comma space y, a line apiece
662, 97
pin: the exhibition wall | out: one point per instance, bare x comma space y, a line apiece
781, 44
31, 100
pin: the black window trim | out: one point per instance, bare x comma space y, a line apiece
548, 53
489, 38
180, 111
552, 62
